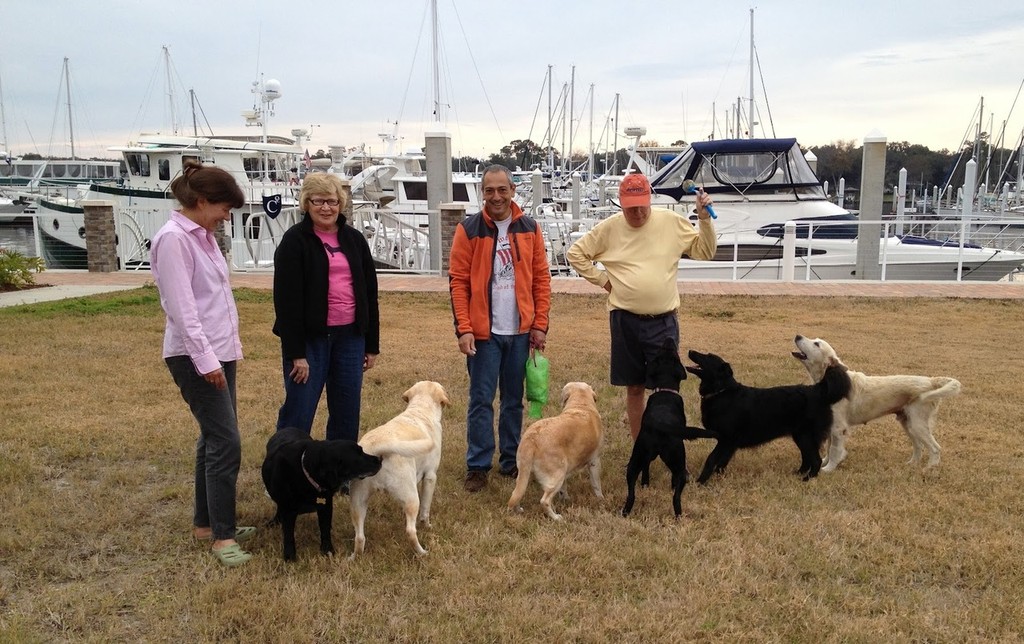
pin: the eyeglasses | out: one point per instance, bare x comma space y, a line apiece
324, 202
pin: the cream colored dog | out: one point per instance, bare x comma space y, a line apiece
914, 400
552, 448
410, 446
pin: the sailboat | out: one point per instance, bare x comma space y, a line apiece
26, 181
262, 165
760, 184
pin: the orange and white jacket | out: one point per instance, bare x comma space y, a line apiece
472, 262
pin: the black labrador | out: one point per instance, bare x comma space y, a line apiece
749, 416
662, 428
303, 474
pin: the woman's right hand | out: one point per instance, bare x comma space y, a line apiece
300, 371
217, 379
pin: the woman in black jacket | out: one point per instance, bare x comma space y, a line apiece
325, 300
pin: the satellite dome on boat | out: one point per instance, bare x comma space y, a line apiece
271, 90
636, 130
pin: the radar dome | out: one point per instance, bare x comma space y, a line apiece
272, 90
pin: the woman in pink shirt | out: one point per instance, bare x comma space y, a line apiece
202, 345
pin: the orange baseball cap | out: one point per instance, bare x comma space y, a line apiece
634, 191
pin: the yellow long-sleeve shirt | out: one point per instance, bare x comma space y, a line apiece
641, 263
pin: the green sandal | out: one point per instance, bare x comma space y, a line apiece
232, 555
244, 533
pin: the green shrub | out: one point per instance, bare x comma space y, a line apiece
16, 270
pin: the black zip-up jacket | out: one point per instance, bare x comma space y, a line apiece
300, 287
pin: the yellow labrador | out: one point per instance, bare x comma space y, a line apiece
553, 448
914, 400
410, 446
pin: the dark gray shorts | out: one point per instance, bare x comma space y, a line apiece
635, 340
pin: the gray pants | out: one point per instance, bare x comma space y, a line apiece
219, 448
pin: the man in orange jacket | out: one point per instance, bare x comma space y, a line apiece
500, 287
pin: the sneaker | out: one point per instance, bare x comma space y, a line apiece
512, 472
476, 480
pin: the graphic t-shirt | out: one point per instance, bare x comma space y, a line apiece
504, 312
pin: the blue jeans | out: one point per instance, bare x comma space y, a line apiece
335, 360
219, 448
500, 361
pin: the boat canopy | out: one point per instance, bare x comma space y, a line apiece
740, 167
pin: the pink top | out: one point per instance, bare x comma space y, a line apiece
192, 276
341, 299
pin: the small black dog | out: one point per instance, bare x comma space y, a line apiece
662, 428
749, 416
302, 475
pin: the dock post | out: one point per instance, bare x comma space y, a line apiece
872, 189
451, 215
100, 236
439, 191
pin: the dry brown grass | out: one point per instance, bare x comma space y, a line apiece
95, 494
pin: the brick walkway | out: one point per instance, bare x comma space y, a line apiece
420, 283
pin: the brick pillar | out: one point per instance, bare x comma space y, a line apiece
346, 188
451, 215
100, 236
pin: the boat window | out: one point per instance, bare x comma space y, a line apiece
74, 170
138, 164
5, 170
755, 252
460, 193
415, 190
57, 170
164, 169
844, 227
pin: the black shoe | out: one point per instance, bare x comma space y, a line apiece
511, 472
476, 480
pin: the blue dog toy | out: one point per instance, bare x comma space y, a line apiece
690, 188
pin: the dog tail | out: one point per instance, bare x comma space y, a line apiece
411, 449
524, 463
693, 433
944, 387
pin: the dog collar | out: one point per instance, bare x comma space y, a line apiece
675, 391
316, 486
711, 395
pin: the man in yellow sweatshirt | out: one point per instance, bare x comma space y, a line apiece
639, 250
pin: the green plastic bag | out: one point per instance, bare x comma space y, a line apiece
536, 383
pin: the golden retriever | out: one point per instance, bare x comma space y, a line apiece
552, 448
410, 446
913, 399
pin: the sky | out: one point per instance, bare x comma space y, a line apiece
908, 70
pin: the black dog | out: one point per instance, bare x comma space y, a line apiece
662, 428
302, 475
750, 416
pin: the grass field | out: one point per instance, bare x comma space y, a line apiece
96, 455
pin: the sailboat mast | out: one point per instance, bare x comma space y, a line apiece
590, 146
170, 90
551, 135
572, 109
615, 137
437, 78
71, 126
750, 117
192, 102
3, 124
